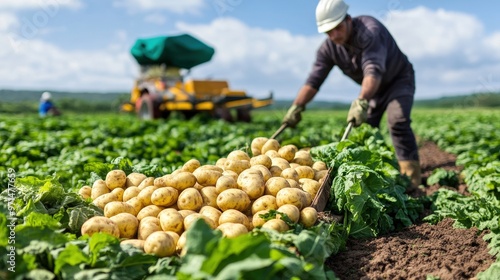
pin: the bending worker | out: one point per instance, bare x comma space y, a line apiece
365, 51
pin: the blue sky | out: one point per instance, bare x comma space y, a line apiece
261, 46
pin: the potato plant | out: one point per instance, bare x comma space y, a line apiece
232, 196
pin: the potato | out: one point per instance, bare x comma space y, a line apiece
212, 167
190, 199
233, 199
149, 181
149, 211
137, 243
209, 196
104, 199
252, 182
211, 212
160, 244
280, 162
256, 145
171, 221
119, 193
99, 188
265, 202
145, 194
234, 216
165, 197
136, 203
319, 165
161, 182
290, 173
186, 213
207, 177
305, 172
147, 226
272, 154
276, 224
275, 184
226, 182
291, 211
116, 179
127, 223
290, 196
320, 174
100, 224
310, 186
308, 198
189, 221
220, 162
271, 144
232, 230
275, 171
130, 192
191, 165
257, 220
238, 155
85, 192
198, 187
174, 235
230, 173
303, 158
181, 244
236, 165
134, 179
308, 216
116, 207
294, 165
261, 160
293, 183
181, 180
264, 170
288, 152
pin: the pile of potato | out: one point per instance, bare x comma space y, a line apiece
154, 214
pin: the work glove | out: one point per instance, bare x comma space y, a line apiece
358, 112
293, 117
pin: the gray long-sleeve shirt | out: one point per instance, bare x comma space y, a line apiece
371, 50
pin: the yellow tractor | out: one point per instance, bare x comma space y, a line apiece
161, 88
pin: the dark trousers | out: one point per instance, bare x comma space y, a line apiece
397, 100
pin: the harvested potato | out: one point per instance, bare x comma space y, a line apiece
233, 199
137, 243
116, 179
290, 173
257, 220
134, 179
190, 199
136, 203
305, 172
308, 198
261, 160
181, 180
149, 211
280, 162
303, 157
130, 192
149, 181
270, 145
264, 170
145, 194
85, 192
99, 188
236, 165
116, 207
308, 216
252, 182
186, 213
288, 152
209, 196
293, 183
127, 223
232, 230
174, 235
212, 167
171, 221
100, 224
211, 212
256, 145
234, 216
220, 162
165, 197
265, 202
104, 199
238, 155
147, 226
290, 196
276, 224
161, 182
291, 211
310, 186
272, 154
191, 165
275, 184
230, 173
226, 182
181, 244
207, 177
275, 171
319, 165
160, 244
189, 221
320, 174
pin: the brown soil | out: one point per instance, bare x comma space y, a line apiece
420, 250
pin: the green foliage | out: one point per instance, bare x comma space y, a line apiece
443, 177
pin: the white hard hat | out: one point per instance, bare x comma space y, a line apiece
46, 95
329, 13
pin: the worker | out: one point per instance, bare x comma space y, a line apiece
47, 107
366, 52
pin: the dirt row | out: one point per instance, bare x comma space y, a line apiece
420, 250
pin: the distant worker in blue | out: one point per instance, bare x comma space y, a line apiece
47, 107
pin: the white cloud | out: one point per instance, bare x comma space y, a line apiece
180, 7
47, 5
156, 19
7, 21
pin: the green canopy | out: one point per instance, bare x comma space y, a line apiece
183, 51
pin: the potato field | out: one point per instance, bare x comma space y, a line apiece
113, 197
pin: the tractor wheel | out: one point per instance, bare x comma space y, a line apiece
147, 109
243, 115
